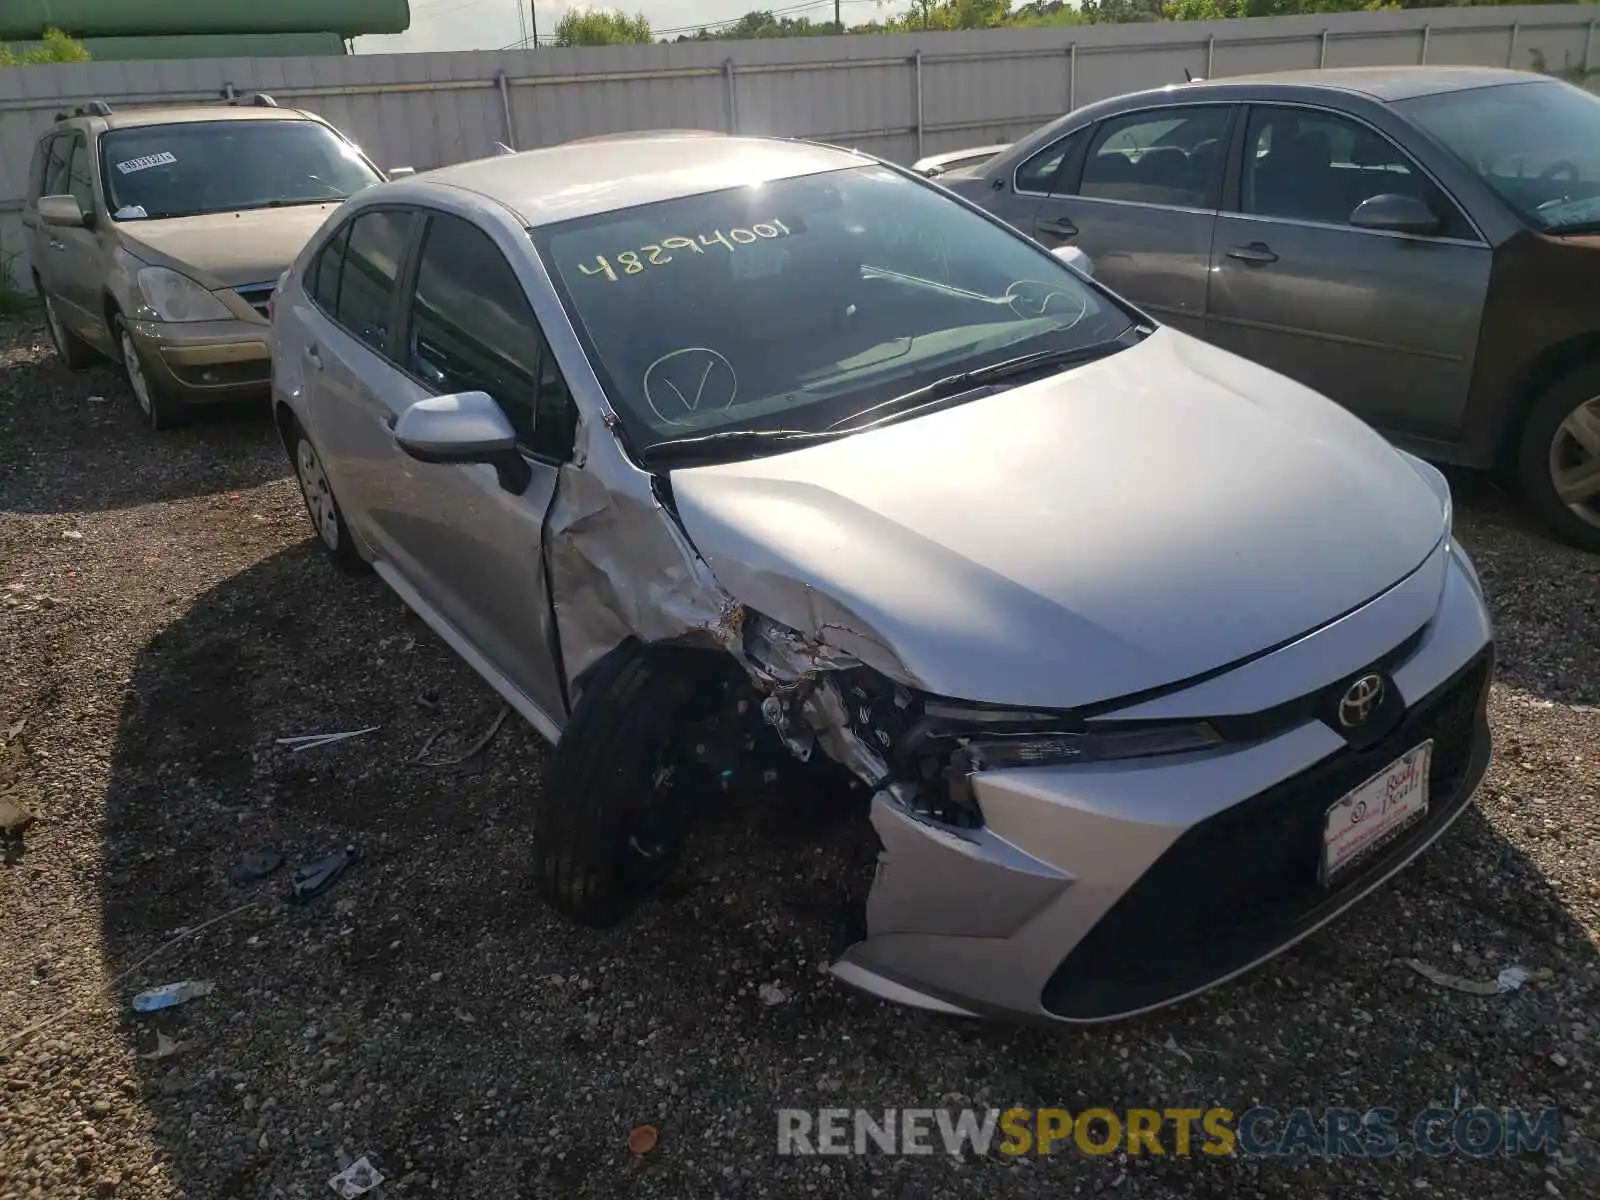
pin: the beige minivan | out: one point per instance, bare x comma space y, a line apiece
158, 234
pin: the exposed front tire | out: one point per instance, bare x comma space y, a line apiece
622, 790
1558, 457
322, 506
159, 407
71, 349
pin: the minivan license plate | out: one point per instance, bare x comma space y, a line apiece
1374, 812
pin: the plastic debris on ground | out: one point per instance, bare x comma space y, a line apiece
359, 1178
165, 1047
1509, 979
258, 864
314, 741
771, 994
643, 1139
314, 878
172, 995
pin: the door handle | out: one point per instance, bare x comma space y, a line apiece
1256, 253
1059, 226
314, 358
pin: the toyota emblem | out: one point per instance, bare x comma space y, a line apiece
1358, 703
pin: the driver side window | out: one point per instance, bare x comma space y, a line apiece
1312, 165
472, 330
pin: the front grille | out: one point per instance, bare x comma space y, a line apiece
256, 295
1246, 880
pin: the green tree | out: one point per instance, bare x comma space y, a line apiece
54, 47
601, 27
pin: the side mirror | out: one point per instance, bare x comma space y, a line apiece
467, 427
400, 172
1393, 213
1076, 259
61, 210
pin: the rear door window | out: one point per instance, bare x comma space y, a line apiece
322, 279
370, 266
1167, 156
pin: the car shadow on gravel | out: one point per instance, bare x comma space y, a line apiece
76, 441
428, 1012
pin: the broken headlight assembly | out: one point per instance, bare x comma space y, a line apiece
959, 740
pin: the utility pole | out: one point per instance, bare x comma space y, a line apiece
838, 24
533, 14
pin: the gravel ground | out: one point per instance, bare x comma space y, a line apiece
164, 617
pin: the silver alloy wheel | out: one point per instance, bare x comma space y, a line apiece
319, 496
58, 335
135, 369
1575, 461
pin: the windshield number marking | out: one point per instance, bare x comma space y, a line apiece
145, 162
657, 255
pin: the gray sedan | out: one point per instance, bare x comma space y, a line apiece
720, 456
1420, 244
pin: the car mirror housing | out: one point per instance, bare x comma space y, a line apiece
61, 211
1393, 213
1076, 259
464, 427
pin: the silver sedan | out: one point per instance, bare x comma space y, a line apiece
715, 456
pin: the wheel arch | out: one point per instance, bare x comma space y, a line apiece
1548, 368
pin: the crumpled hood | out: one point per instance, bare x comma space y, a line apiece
227, 249
1120, 526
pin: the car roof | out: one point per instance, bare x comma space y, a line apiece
1380, 83
176, 114
578, 179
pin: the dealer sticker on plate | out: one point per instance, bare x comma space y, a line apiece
1374, 812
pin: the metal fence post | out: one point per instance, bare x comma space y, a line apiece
733, 99
1072, 76
1322, 53
1423, 60
916, 60
1588, 41
505, 107
1211, 54
1511, 53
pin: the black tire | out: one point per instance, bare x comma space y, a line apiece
71, 349
1543, 446
157, 405
607, 833
322, 506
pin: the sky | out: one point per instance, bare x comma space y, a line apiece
491, 24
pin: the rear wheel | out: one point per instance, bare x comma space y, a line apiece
1558, 457
623, 788
70, 348
159, 407
327, 518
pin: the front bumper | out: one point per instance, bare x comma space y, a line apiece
1102, 890
206, 360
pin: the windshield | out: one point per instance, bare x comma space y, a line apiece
181, 170
1536, 144
799, 303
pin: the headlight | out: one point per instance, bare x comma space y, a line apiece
169, 296
1021, 750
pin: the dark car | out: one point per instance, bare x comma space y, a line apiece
1422, 244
